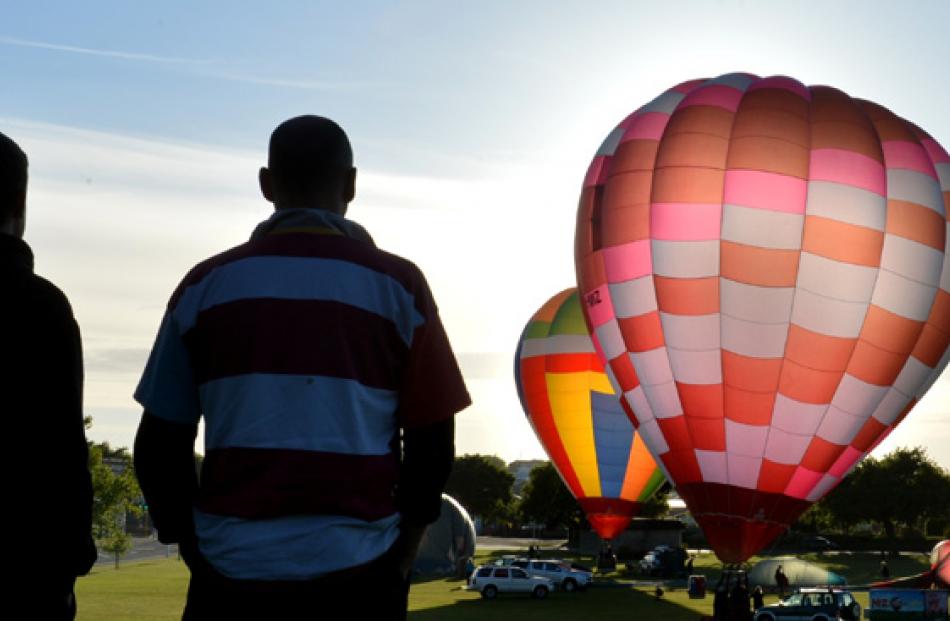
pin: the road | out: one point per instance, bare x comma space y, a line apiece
143, 548
516, 543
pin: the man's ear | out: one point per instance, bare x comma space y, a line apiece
266, 180
349, 186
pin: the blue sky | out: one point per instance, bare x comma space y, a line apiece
472, 125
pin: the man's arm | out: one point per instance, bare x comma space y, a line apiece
165, 467
428, 455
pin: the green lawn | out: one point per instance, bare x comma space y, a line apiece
156, 590
144, 590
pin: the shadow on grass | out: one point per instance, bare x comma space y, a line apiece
434, 578
607, 604
862, 568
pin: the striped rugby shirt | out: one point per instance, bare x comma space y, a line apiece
305, 350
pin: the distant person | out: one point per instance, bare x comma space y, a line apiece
885, 570
781, 581
758, 598
308, 351
48, 490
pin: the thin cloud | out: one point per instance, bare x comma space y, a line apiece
97, 52
300, 84
485, 364
116, 360
294, 83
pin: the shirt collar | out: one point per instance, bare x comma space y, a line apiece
15, 254
310, 221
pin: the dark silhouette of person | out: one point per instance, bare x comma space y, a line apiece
721, 598
328, 390
885, 570
758, 598
781, 581
739, 599
46, 471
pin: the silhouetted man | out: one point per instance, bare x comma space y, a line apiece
47, 517
306, 350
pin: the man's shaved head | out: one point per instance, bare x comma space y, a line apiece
309, 154
13, 175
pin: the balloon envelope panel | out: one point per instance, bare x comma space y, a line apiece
762, 266
579, 419
448, 541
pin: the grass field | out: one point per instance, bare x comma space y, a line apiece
156, 590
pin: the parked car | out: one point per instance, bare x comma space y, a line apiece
490, 580
664, 561
813, 604
564, 576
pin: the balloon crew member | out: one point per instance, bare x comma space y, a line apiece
781, 581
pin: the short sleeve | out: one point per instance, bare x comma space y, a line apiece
432, 389
167, 388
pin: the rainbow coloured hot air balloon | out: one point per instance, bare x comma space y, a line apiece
763, 267
579, 419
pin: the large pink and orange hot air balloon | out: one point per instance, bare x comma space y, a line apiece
578, 418
763, 267
940, 563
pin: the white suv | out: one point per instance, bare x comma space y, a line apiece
561, 573
490, 580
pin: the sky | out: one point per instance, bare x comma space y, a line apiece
472, 126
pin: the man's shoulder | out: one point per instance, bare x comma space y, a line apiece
397, 265
311, 246
197, 273
44, 297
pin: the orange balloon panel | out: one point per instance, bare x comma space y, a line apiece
763, 268
579, 419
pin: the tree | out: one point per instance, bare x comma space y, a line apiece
903, 488
482, 485
657, 505
116, 493
546, 500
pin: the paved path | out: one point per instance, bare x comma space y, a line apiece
517, 543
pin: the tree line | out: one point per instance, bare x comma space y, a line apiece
902, 494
